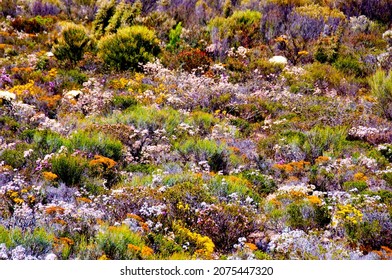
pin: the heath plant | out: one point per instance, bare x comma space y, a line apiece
74, 41
129, 47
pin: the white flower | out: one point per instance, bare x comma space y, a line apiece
73, 94
278, 59
6, 95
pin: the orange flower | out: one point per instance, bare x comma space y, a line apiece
251, 246
49, 176
133, 248
147, 251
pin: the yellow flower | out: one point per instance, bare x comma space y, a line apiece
314, 200
360, 177
303, 53
49, 176
103, 258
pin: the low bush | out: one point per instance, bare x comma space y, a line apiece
381, 88
72, 44
96, 143
129, 48
69, 169
120, 243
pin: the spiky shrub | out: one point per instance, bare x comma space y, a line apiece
129, 48
104, 14
120, 243
96, 143
240, 29
124, 15
381, 87
73, 43
70, 169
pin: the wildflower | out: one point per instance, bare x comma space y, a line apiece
6, 95
133, 248
49, 176
73, 94
303, 53
146, 251
278, 59
314, 200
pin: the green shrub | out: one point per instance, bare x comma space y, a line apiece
323, 139
262, 184
96, 143
124, 15
129, 47
122, 101
216, 154
175, 38
359, 185
381, 87
70, 169
73, 78
46, 141
104, 14
72, 44
114, 241
241, 28
14, 158
38, 242
350, 66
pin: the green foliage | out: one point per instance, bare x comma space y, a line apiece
69, 169
124, 15
141, 168
46, 141
14, 158
241, 28
174, 38
72, 44
37, 242
350, 66
114, 241
216, 154
96, 143
129, 47
72, 78
123, 102
103, 16
386, 151
323, 139
381, 87
148, 117
359, 185
33, 25
322, 76
203, 121
261, 183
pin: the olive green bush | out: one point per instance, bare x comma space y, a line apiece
129, 48
72, 44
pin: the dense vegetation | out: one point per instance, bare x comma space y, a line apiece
184, 129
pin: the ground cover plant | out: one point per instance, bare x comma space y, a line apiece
195, 129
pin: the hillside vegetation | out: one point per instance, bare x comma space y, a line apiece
184, 129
